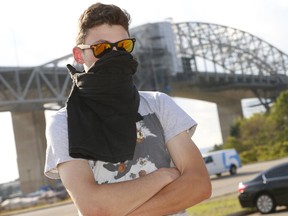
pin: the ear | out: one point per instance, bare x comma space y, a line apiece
77, 53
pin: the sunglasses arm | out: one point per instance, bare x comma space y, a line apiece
84, 46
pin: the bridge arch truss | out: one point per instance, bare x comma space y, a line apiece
229, 58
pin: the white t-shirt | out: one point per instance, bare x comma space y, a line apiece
162, 120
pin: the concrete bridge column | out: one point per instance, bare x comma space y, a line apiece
228, 113
228, 102
29, 132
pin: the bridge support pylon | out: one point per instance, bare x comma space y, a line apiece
228, 103
228, 114
29, 133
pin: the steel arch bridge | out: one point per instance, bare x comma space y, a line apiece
212, 56
221, 57
229, 50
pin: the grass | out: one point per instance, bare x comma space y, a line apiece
219, 206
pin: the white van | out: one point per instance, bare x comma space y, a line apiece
218, 162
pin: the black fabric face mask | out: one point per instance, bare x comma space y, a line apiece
102, 109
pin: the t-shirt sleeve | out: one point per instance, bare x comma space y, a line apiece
57, 144
173, 118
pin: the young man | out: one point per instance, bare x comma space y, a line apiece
119, 151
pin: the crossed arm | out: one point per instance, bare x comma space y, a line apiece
164, 191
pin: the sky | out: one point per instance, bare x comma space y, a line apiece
33, 32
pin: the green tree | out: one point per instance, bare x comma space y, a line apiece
262, 136
279, 116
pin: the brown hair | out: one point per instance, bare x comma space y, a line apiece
98, 14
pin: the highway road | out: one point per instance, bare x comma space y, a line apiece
225, 184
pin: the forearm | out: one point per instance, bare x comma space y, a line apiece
112, 199
124, 197
192, 187
184, 192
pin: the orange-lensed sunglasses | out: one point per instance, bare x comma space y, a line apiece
102, 48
